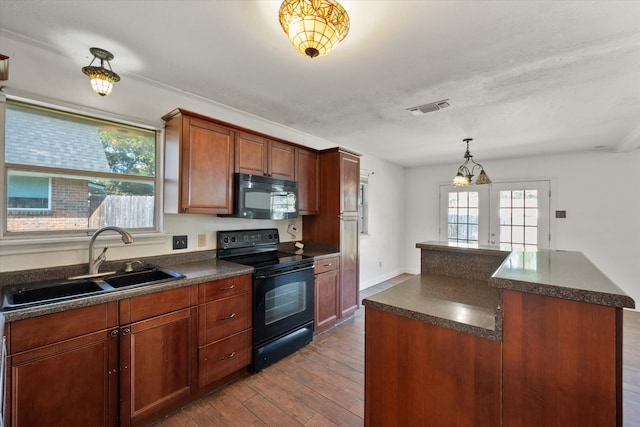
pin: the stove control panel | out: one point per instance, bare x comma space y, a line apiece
233, 239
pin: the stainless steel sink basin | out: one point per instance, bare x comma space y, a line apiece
144, 277
14, 297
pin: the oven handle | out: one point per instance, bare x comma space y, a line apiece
283, 271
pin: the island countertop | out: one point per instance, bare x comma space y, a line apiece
474, 304
561, 274
464, 305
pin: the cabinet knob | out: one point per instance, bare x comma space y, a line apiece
114, 333
231, 316
228, 356
228, 288
126, 331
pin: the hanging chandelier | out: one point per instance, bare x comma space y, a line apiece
102, 80
467, 169
314, 27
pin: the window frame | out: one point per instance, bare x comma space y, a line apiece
49, 204
156, 180
363, 203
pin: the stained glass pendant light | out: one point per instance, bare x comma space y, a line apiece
466, 170
102, 80
314, 27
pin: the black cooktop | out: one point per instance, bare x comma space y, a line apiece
258, 248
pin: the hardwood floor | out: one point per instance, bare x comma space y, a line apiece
323, 384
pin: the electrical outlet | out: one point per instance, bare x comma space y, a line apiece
180, 242
202, 240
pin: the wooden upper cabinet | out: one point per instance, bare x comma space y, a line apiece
261, 156
307, 174
350, 185
199, 159
251, 154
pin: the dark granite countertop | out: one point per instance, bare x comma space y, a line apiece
314, 249
474, 305
464, 305
198, 267
195, 272
561, 274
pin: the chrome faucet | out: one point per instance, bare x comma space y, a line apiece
94, 264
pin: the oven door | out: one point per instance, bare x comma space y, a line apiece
283, 301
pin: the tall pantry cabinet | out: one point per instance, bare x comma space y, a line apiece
337, 222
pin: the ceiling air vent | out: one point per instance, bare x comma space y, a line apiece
428, 108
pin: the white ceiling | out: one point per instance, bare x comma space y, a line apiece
522, 77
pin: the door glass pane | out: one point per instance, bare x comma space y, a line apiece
462, 216
284, 301
517, 198
517, 235
530, 236
518, 216
522, 211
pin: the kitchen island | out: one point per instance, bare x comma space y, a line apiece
487, 337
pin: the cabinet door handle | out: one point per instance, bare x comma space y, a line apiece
126, 331
114, 333
229, 317
328, 265
228, 288
228, 356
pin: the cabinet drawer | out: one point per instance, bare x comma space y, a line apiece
224, 288
150, 305
224, 317
224, 357
42, 330
327, 264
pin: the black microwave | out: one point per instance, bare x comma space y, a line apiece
264, 197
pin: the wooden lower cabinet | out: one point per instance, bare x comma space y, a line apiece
225, 333
129, 362
327, 293
418, 374
63, 369
156, 365
562, 362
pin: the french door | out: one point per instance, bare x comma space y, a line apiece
508, 215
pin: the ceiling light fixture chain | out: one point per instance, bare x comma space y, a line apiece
102, 79
467, 169
314, 27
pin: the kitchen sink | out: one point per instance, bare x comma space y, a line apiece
19, 296
143, 277
53, 291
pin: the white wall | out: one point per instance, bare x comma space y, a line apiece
599, 191
381, 251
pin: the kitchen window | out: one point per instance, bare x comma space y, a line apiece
70, 174
363, 203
